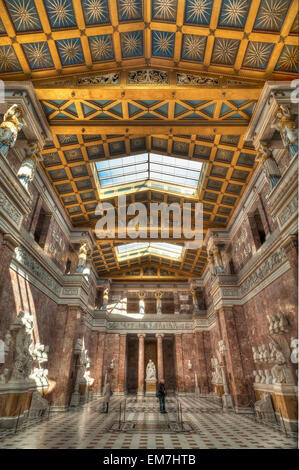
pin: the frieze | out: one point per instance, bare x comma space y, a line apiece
289, 210
148, 77
24, 258
7, 207
105, 79
70, 291
264, 270
188, 79
230, 292
150, 325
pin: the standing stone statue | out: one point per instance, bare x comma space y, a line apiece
27, 170
151, 375
286, 125
82, 258
271, 169
9, 128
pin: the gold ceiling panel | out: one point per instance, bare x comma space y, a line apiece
122, 77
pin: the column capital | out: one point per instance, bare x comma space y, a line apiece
141, 335
160, 334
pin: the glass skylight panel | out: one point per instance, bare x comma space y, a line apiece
176, 171
165, 250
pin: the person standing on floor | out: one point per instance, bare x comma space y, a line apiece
107, 395
161, 392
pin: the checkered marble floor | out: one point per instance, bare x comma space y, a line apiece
205, 427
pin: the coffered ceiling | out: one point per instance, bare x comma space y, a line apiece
173, 77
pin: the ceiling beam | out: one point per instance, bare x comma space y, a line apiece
162, 93
148, 127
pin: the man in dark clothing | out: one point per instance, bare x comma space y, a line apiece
161, 392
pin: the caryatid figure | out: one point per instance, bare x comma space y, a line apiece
194, 299
10, 127
82, 258
141, 303
286, 125
105, 297
27, 169
218, 260
158, 296
270, 166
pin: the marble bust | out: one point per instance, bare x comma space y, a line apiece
151, 375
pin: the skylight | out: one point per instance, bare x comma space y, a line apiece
176, 171
136, 249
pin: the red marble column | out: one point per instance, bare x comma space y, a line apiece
62, 367
201, 366
159, 337
122, 365
141, 337
99, 361
179, 363
7, 248
233, 358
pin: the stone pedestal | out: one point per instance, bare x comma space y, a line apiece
284, 400
150, 387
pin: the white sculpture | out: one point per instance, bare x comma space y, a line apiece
286, 125
217, 377
38, 405
278, 323
189, 365
256, 355
40, 353
151, 375
3, 376
265, 353
270, 167
264, 407
23, 348
269, 377
260, 351
9, 128
262, 376
27, 169
256, 376
82, 258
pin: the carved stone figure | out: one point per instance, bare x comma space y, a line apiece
256, 376
218, 260
269, 377
264, 407
38, 406
260, 350
158, 296
151, 375
212, 266
23, 348
278, 323
281, 372
82, 258
271, 169
262, 376
9, 128
3, 376
256, 355
265, 353
218, 378
40, 353
283, 325
27, 170
286, 125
